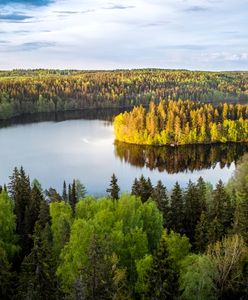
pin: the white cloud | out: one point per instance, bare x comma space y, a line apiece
100, 34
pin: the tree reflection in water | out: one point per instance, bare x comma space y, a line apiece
181, 158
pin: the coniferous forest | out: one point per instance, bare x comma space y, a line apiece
153, 243
183, 122
31, 91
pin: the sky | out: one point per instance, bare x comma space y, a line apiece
99, 34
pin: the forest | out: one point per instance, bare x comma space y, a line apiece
32, 91
187, 243
183, 122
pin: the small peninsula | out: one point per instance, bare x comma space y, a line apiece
183, 122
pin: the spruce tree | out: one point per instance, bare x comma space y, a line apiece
80, 189
201, 233
142, 188
201, 188
20, 192
113, 189
162, 279
240, 225
37, 278
176, 212
135, 188
73, 196
5, 276
159, 195
44, 214
64, 195
192, 210
221, 212
69, 194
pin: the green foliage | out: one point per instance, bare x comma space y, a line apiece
178, 247
61, 219
119, 249
128, 229
143, 267
197, 278
7, 226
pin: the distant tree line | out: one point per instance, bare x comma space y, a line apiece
190, 243
183, 122
29, 91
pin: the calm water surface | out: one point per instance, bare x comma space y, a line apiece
56, 151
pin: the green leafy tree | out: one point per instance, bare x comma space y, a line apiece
197, 278
61, 220
8, 239
240, 225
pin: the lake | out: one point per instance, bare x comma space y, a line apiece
84, 149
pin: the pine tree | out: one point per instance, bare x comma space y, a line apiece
20, 191
192, 210
73, 196
135, 188
221, 212
159, 194
64, 195
176, 212
5, 276
241, 219
142, 188
69, 194
113, 189
34, 207
44, 214
201, 233
162, 278
95, 280
80, 189
201, 187
37, 270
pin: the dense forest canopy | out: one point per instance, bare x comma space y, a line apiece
29, 91
183, 122
187, 244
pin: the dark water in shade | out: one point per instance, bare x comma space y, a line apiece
58, 150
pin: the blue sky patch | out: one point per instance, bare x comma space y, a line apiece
14, 17
26, 2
